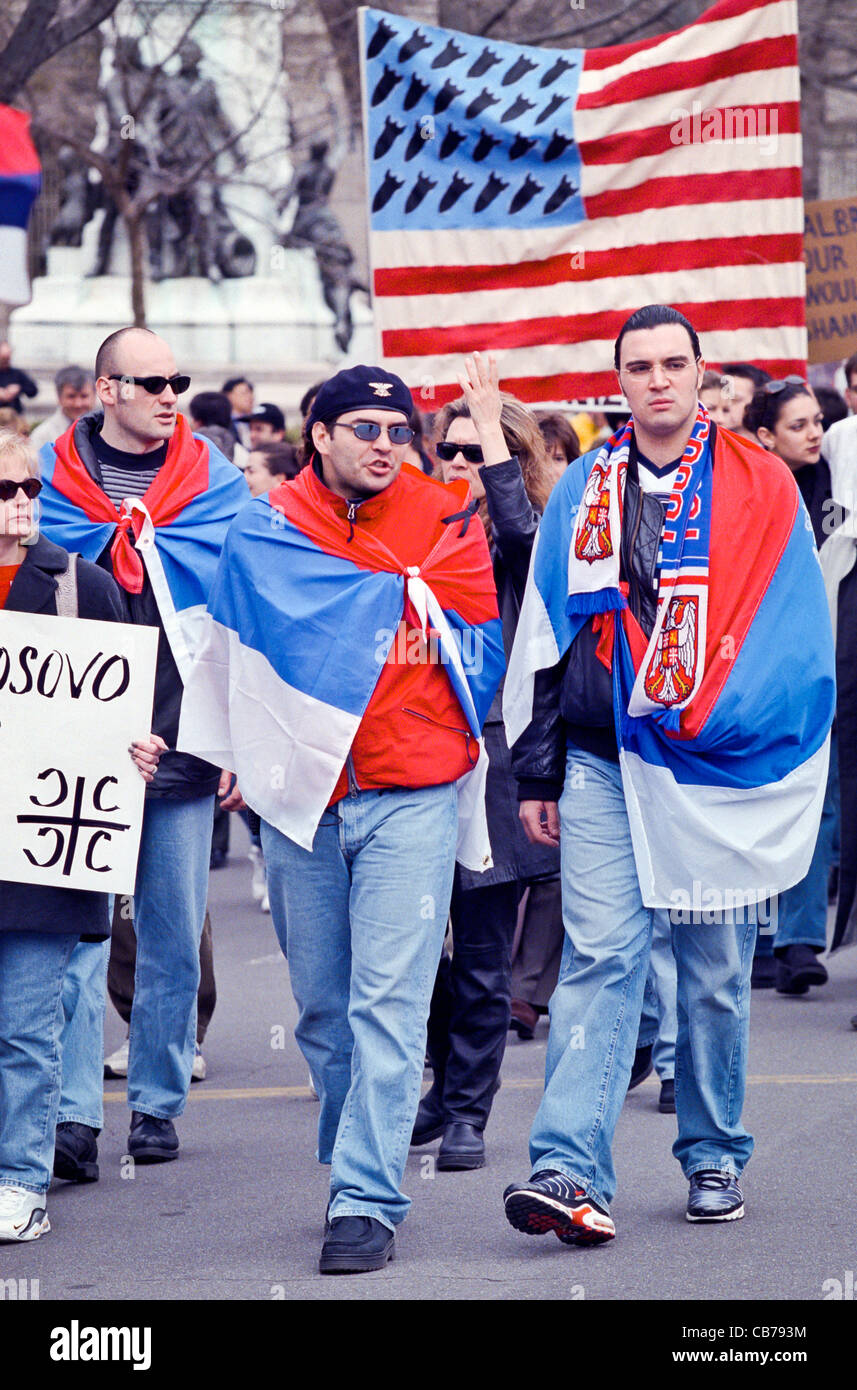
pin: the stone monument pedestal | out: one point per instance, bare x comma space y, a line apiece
255, 322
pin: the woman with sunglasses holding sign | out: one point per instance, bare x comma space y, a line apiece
494, 442
40, 926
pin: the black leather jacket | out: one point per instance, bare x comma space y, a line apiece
514, 523
573, 701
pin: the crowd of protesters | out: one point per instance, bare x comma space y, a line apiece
505, 943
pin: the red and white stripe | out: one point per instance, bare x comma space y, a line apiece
714, 228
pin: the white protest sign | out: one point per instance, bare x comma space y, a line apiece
74, 694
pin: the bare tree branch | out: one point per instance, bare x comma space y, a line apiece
39, 34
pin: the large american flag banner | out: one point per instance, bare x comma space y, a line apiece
527, 200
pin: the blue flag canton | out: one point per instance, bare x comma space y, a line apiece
464, 131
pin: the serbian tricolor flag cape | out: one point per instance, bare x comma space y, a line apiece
20, 181
725, 746
179, 524
300, 622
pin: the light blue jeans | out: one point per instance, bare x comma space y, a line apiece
84, 993
659, 1020
802, 910
361, 921
169, 913
595, 1009
32, 966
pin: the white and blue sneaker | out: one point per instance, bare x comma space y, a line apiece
714, 1196
22, 1214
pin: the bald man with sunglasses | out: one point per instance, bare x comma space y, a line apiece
135, 491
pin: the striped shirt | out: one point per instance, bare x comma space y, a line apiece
127, 475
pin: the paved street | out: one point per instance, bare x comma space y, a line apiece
239, 1216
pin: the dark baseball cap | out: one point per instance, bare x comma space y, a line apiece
359, 388
272, 414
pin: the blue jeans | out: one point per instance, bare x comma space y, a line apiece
84, 993
361, 920
595, 1010
659, 1020
802, 910
32, 966
169, 912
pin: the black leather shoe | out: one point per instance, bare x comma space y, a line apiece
355, 1245
76, 1152
429, 1122
152, 1140
798, 967
642, 1066
666, 1100
462, 1147
523, 1019
764, 972
714, 1196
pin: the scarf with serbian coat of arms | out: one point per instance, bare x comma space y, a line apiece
671, 672
722, 716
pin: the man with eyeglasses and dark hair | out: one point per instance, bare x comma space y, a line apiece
136, 492
357, 603
668, 704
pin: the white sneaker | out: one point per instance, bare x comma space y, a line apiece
265, 903
116, 1065
22, 1214
257, 887
199, 1071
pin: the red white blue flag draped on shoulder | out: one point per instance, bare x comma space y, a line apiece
20, 181
300, 623
722, 726
179, 525
527, 200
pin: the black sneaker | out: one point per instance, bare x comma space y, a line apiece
552, 1202
666, 1100
714, 1196
76, 1152
798, 967
355, 1245
642, 1066
152, 1140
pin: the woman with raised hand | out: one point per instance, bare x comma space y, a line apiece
494, 442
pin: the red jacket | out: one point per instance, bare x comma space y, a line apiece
414, 732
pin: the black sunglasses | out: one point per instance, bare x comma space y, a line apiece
31, 487
447, 451
155, 384
368, 430
773, 388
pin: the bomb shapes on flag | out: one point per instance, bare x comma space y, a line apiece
467, 134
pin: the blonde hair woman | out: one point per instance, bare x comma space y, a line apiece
39, 926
